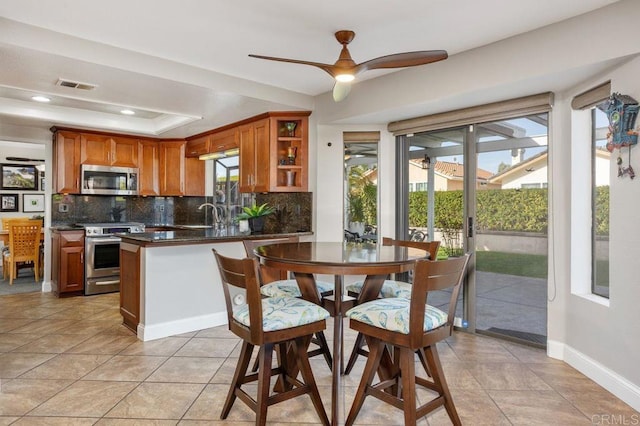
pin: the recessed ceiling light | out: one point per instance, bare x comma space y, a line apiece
40, 99
127, 112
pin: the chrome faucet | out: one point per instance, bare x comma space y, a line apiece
214, 210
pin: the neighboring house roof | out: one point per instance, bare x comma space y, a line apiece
454, 171
529, 162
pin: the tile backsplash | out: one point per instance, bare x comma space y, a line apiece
293, 211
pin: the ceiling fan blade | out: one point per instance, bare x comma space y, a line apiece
341, 91
325, 67
401, 60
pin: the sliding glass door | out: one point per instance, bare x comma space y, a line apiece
482, 188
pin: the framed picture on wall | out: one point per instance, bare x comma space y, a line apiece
8, 202
32, 203
41, 181
19, 176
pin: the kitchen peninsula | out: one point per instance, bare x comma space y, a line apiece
170, 283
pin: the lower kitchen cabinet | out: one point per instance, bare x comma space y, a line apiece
130, 285
67, 262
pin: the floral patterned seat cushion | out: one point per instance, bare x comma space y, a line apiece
279, 313
289, 288
389, 288
393, 314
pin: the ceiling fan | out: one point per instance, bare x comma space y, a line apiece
345, 69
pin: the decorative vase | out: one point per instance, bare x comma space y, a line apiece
291, 128
291, 177
256, 224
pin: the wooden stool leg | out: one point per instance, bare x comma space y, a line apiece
302, 357
433, 360
324, 346
238, 377
423, 361
357, 346
408, 374
376, 348
264, 377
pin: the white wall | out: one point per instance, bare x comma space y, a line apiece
602, 337
330, 178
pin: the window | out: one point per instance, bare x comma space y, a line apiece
360, 183
531, 185
600, 172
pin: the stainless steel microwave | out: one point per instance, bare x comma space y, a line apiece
107, 180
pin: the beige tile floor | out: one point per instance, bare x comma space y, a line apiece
70, 362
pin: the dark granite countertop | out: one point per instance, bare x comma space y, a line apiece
198, 236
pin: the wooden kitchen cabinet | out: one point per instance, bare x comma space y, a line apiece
224, 140
149, 174
289, 162
105, 150
66, 162
172, 168
194, 177
197, 146
125, 152
67, 262
274, 153
130, 285
254, 156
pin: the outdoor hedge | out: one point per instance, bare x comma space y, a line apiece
515, 210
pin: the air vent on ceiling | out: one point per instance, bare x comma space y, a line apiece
75, 84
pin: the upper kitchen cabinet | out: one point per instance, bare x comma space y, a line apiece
197, 146
254, 156
106, 150
289, 162
224, 140
149, 174
213, 141
194, 177
179, 175
66, 162
274, 152
172, 167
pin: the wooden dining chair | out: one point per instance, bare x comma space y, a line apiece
409, 326
282, 323
24, 247
276, 283
390, 288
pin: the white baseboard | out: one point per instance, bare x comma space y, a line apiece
46, 286
171, 328
608, 379
555, 349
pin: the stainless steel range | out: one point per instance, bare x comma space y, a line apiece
102, 255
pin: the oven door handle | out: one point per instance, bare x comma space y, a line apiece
98, 240
110, 282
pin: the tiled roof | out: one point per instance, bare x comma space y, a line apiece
454, 170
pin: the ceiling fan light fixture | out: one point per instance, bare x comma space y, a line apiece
345, 78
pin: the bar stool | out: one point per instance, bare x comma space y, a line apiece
409, 325
282, 323
390, 288
275, 283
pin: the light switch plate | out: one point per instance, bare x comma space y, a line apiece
63, 208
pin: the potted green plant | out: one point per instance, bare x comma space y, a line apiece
255, 215
356, 214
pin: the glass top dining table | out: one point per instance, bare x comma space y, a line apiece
304, 259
